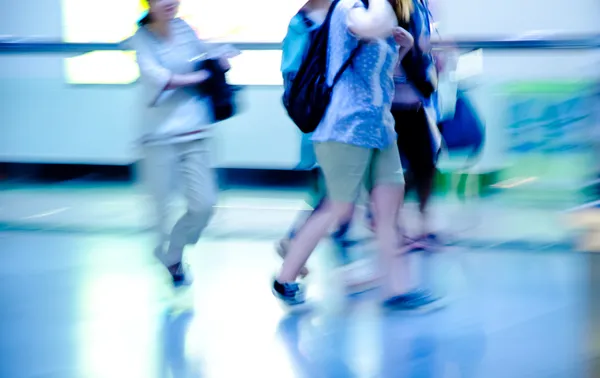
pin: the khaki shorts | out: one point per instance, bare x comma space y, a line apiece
348, 168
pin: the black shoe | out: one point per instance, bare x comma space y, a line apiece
181, 276
419, 300
290, 294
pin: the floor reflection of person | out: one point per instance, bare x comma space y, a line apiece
174, 332
449, 343
322, 353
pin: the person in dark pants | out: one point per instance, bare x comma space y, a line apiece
419, 148
418, 151
415, 113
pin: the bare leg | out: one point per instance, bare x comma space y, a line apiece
316, 228
284, 244
424, 188
386, 201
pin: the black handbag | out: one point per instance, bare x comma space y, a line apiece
219, 93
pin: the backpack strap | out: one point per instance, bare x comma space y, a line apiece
353, 54
308, 23
347, 63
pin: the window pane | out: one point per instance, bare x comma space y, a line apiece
260, 67
223, 20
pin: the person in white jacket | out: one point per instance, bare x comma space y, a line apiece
177, 129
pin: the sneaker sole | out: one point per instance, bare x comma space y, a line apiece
300, 307
362, 287
432, 307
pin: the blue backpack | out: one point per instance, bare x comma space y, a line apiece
295, 45
465, 131
308, 95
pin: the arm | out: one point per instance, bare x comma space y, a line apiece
155, 76
178, 81
221, 52
378, 21
402, 52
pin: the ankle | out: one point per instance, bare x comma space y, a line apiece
281, 281
173, 269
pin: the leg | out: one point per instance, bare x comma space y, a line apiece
340, 233
156, 173
200, 192
340, 236
387, 183
315, 229
344, 168
416, 147
319, 199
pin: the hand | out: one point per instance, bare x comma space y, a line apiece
224, 63
201, 76
403, 37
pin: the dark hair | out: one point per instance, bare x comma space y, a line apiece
145, 20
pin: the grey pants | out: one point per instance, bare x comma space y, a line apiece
189, 162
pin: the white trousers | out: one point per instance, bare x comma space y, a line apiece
190, 163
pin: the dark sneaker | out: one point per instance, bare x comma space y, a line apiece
418, 301
290, 294
181, 276
432, 241
412, 246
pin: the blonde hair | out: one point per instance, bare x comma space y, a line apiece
403, 9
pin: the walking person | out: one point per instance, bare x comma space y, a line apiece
357, 277
177, 123
355, 145
416, 117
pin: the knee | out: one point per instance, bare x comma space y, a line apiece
201, 209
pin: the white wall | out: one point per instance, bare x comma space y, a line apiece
45, 120
477, 18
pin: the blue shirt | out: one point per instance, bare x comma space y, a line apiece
360, 109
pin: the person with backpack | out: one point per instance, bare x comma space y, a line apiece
294, 48
343, 92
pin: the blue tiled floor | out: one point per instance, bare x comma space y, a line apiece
79, 306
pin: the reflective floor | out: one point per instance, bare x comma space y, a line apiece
124, 209
97, 306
